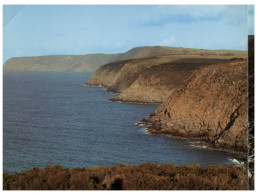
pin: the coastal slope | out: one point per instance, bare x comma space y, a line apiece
202, 96
153, 79
210, 104
91, 62
146, 80
158, 80
58, 63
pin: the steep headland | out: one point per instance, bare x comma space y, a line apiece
154, 83
153, 79
204, 96
210, 104
91, 62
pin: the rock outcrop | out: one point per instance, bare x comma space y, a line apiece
203, 95
210, 104
149, 80
155, 83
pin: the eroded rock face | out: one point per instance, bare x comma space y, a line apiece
211, 104
149, 80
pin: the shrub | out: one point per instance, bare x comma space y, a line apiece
147, 176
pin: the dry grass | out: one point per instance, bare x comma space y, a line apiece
128, 177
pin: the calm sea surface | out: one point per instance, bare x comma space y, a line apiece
53, 118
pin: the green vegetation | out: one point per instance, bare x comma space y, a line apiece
146, 176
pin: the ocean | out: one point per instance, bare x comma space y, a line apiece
53, 118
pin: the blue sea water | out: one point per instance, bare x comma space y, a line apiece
54, 118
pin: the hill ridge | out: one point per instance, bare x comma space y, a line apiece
91, 62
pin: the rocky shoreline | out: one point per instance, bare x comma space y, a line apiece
131, 102
199, 97
155, 131
199, 142
209, 103
200, 108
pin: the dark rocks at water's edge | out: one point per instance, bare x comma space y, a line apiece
146, 176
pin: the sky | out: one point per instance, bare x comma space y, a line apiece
34, 30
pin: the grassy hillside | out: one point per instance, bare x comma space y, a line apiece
91, 62
58, 63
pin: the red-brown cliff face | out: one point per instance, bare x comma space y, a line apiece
157, 82
149, 80
211, 104
204, 95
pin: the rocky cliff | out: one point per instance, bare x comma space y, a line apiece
157, 81
204, 95
149, 80
210, 104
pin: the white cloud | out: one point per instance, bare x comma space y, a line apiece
195, 11
192, 13
168, 42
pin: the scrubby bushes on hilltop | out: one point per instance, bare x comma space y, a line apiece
128, 177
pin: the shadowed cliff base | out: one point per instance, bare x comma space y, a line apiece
128, 177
